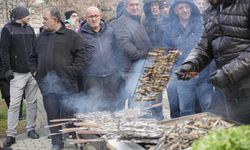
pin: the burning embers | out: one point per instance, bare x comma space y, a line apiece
172, 135
156, 75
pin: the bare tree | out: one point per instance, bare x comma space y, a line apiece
10, 4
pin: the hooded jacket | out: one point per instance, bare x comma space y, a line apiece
226, 39
101, 48
184, 39
152, 24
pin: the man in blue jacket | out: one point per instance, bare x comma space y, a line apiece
183, 33
101, 80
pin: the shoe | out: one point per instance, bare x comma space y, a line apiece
56, 147
32, 134
9, 141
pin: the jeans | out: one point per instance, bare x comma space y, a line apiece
183, 95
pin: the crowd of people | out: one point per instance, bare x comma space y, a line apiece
85, 66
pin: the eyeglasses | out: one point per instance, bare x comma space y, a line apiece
93, 16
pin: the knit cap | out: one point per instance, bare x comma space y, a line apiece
19, 13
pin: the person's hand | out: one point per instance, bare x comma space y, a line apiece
9, 75
219, 79
184, 72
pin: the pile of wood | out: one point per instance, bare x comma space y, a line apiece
156, 74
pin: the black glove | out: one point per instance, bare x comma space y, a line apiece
183, 72
9, 75
219, 79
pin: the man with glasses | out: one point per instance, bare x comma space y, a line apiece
101, 81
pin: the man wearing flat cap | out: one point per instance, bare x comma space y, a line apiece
17, 40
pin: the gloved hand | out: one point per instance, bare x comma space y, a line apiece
219, 79
9, 75
183, 72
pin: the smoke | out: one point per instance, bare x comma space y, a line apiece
52, 83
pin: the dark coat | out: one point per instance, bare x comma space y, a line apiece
101, 48
1, 63
226, 39
16, 44
61, 55
153, 24
131, 39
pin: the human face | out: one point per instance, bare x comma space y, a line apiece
93, 18
215, 2
183, 11
25, 20
165, 10
199, 4
49, 23
133, 7
74, 17
155, 8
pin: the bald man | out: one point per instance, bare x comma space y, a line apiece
100, 76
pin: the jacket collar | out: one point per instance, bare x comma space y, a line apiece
136, 18
18, 24
62, 30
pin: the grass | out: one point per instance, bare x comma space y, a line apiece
3, 120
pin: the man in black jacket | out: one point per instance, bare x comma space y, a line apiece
17, 41
226, 39
57, 61
131, 37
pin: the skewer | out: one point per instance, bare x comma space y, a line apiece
153, 106
65, 120
56, 125
85, 124
81, 132
82, 141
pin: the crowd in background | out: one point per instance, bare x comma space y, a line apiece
86, 66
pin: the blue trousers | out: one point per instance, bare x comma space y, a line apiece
183, 95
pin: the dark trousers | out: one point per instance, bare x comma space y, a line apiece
55, 107
239, 109
104, 93
5, 90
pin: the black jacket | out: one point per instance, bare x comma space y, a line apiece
61, 53
16, 44
132, 39
226, 39
101, 50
